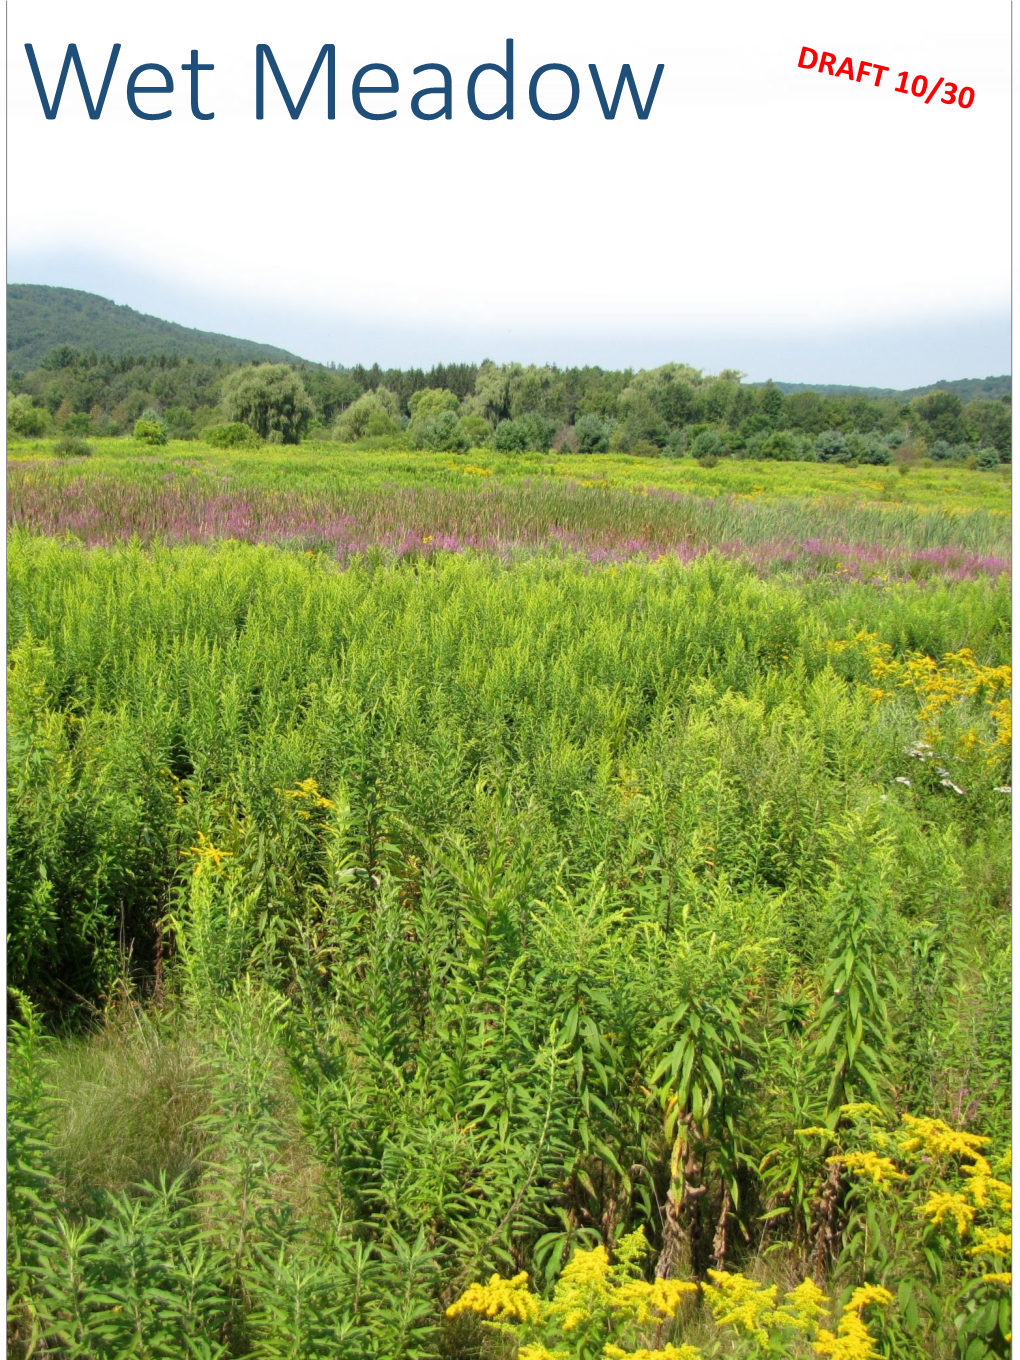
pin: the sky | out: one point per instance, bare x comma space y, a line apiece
764, 217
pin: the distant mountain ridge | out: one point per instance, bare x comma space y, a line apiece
967, 389
40, 317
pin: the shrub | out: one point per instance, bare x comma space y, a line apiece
942, 451
179, 422
441, 431
780, 445
72, 446
986, 459
873, 450
78, 423
538, 431
755, 424
234, 435
150, 428
477, 429
509, 437
707, 444
25, 419
374, 414
593, 434
832, 447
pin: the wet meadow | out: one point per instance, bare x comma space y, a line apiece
518, 907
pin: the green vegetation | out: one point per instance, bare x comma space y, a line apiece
967, 389
592, 907
94, 380
41, 318
504, 863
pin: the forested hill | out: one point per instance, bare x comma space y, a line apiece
967, 389
40, 318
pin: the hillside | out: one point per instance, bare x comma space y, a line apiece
40, 318
967, 389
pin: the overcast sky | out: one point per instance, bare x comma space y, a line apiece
779, 221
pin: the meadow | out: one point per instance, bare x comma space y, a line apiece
519, 908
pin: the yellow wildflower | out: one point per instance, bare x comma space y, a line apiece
869, 1164
536, 1351
813, 1131
866, 1294
852, 1340
1003, 1277
631, 1248
504, 1300
937, 1139
802, 1307
991, 1243
736, 1301
307, 789
861, 1109
586, 1267
584, 1284
206, 853
944, 1204
639, 1298
980, 1186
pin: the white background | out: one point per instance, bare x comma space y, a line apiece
764, 217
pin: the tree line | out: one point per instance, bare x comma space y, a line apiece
673, 410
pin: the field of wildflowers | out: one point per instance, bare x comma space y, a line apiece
506, 909
850, 521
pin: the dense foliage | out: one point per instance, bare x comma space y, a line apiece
674, 410
42, 319
447, 915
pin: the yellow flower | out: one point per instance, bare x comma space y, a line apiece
861, 1109
586, 1267
802, 1308
643, 1301
980, 1186
631, 1248
866, 1294
536, 1351
583, 1286
813, 1131
942, 1204
307, 789
991, 1243
937, 1139
852, 1340
504, 1300
1003, 1277
206, 853
868, 1164
736, 1301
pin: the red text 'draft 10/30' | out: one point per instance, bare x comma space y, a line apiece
871, 72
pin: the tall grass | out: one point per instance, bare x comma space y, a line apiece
417, 920
849, 520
